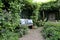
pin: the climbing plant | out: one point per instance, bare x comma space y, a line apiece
10, 19
35, 14
52, 6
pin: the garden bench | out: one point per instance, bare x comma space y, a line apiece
27, 22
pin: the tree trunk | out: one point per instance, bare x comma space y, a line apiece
43, 15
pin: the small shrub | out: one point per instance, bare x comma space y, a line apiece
40, 23
22, 30
8, 35
51, 31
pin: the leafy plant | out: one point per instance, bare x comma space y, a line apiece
8, 35
10, 20
22, 30
51, 31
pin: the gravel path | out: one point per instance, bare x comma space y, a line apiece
34, 34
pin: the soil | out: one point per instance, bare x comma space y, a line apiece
34, 34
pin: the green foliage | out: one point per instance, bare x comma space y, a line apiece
8, 35
10, 20
51, 5
51, 31
10, 17
40, 23
35, 14
22, 30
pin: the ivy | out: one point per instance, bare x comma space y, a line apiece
51, 5
9, 18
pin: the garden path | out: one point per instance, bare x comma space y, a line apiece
34, 34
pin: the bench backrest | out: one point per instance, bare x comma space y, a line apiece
26, 21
